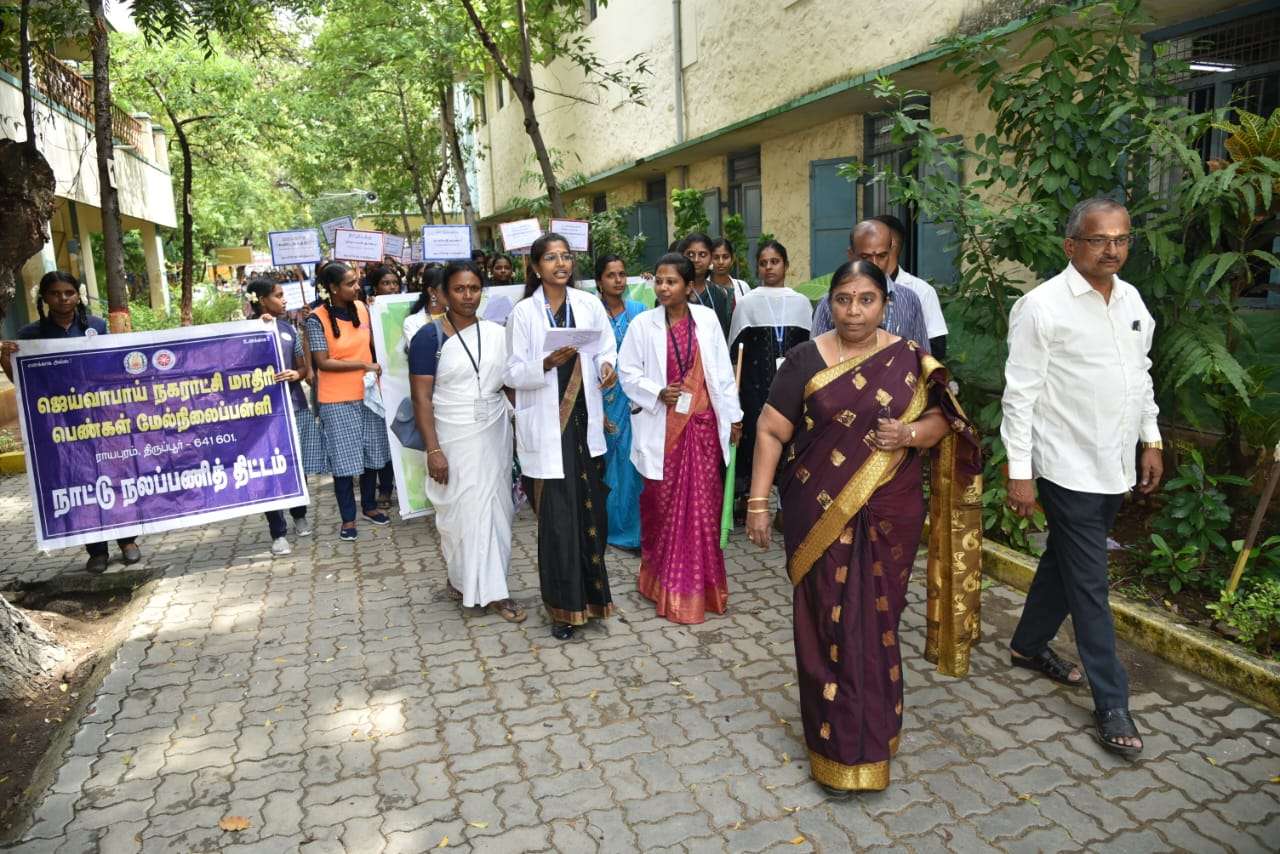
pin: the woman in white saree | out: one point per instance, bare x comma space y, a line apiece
455, 378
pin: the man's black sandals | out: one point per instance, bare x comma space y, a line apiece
1111, 725
1048, 663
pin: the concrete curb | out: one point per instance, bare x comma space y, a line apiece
13, 462
1189, 647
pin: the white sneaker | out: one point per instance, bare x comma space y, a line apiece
302, 527
280, 546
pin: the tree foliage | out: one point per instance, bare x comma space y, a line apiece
1076, 117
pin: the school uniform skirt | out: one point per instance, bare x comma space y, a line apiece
310, 442
355, 438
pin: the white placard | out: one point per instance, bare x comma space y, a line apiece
330, 227
294, 247
393, 245
297, 294
576, 231
416, 253
351, 245
520, 234
446, 242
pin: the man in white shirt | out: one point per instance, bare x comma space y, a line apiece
1078, 398
935, 323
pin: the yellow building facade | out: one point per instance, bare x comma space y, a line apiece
759, 104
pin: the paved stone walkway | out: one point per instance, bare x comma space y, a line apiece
340, 702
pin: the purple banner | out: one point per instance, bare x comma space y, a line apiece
151, 431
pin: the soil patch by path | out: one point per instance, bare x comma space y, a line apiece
86, 615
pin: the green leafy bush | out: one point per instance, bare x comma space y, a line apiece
1254, 613
690, 215
1196, 512
997, 517
1178, 568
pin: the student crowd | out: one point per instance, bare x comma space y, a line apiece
624, 439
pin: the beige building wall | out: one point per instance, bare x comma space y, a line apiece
784, 183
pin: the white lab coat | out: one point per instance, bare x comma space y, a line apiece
537, 391
642, 367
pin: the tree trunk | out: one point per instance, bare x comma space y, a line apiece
448, 120
411, 159
188, 226
523, 85
28, 654
26, 185
104, 142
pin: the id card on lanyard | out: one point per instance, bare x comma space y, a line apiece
480, 408
684, 403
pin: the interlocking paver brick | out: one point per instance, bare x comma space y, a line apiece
346, 704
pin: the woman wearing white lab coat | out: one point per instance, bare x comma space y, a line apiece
675, 363
560, 433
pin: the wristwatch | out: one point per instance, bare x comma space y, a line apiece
1157, 445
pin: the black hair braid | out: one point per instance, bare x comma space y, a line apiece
82, 316
333, 318
40, 307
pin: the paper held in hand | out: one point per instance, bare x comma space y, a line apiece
586, 340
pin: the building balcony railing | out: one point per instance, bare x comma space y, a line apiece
62, 85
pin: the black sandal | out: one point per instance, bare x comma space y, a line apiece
836, 794
1048, 663
561, 631
1113, 724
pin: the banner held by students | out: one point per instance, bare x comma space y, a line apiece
151, 431
351, 245
576, 231
446, 242
294, 247
408, 460
520, 234
331, 227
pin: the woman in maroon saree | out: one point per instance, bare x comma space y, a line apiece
855, 409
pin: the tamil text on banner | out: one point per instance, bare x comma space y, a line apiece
446, 242
350, 245
151, 431
576, 231
408, 455
331, 227
294, 247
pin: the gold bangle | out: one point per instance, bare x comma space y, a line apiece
1157, 445
765, 500
759, 510
434, 451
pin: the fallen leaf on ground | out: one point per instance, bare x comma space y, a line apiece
1212, 761
126, 759
786, 758
1273, 779
63, 687
233, 823
444, 843
1029, 799
480, 824
799, 840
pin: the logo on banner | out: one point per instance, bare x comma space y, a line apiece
135, 362
90, 332
163, 360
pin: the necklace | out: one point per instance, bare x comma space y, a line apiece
840, 344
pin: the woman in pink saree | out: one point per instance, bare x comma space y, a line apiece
856, 410
674, 367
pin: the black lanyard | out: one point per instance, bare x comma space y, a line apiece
675, 346
707, 290
475, 362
